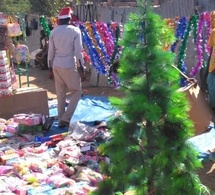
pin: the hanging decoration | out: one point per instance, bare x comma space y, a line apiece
207, 24
199, 46
181, 25
3, 19
101, 49
192, 24
114, 80
183, 47
94, 51
117, 30
106, 37
101, 40
86, 57
13, 27
45, 26
171, 22
53, 21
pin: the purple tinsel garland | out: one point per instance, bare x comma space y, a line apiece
204, 20
208, 31
106, 37
199, 41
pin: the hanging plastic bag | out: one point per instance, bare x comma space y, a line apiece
13, 27
3, 19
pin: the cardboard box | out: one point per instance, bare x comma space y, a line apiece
25, 100
200, 112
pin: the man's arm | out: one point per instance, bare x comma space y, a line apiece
78, 48
51, 52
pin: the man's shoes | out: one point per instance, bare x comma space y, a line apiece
62, 124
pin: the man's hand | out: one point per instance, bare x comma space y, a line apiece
50, 64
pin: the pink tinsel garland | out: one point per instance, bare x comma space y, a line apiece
106, 37
208, 31
204, 20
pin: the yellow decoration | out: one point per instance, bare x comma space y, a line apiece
211, 42
53, 21
32, 180
171, 23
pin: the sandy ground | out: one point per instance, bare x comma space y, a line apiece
39, 78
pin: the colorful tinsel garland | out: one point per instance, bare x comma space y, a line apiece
45, 25
199, 47
182, 53
101, 40
180, 31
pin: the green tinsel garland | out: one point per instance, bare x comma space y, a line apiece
45, 26
193, 23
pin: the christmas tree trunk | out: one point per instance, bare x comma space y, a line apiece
149, 151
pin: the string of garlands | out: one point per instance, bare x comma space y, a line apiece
192, 23
117, 31
183, 30
207, 24
102, 38
106, 36
101, 48
181, 25
199, 46
94, 56
94, 51
97, 47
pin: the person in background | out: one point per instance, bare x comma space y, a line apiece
65, 48
11, 48
42, 55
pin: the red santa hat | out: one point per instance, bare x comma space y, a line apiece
65, 13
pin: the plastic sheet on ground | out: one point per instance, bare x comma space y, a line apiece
205, 144
89, 110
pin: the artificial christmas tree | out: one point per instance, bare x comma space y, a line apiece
149, 151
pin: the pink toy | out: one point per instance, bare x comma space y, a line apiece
28, 119
5, 170
59, 180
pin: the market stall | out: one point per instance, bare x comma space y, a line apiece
36, 157
14, 63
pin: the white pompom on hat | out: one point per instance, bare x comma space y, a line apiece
65, 12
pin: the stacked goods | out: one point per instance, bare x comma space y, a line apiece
58, 164
5, 78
